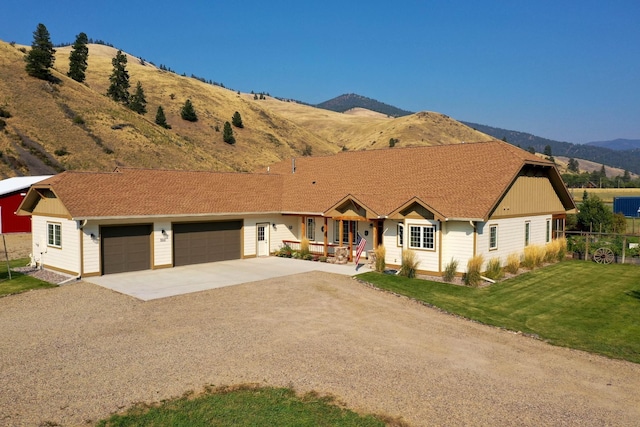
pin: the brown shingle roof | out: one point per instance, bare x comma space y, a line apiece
143, 192
456, 181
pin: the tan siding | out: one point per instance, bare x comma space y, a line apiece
416, 211
50, 206
529, 196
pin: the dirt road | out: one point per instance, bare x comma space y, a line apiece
78, 353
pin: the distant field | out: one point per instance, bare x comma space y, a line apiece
606, 194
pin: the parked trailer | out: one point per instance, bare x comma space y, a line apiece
629, 206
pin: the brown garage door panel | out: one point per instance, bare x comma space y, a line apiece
126, 248
196, 243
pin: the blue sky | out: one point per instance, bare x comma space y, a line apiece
562, 69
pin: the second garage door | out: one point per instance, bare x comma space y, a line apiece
200, 242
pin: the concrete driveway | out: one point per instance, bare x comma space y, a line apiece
148, 285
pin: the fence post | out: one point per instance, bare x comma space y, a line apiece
624, 246
586, 247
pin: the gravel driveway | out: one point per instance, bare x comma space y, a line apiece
75, 354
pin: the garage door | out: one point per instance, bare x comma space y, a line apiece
126, 248
195, 243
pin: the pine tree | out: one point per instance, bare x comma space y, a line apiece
188, 112
236, 120
227, 134
161, 120
78, 58
573, 166
41, 57
119, 88
137, 102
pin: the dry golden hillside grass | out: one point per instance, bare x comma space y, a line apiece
70, 125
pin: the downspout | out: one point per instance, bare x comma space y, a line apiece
475, 236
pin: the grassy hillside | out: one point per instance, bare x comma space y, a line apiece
69, 125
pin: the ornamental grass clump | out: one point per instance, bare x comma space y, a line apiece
513, 263
409, 264
380, 252
450, 270
473, 277
551, 250
562, 248
533, 256
494, 269
304, 247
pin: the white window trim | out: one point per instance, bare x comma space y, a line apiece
548, 237
422, 227
51, 234
345, 231
400, 237
495, 246
527, 233
311, 229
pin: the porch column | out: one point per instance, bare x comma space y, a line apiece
350, 257
376, 224
340, 242
326, 237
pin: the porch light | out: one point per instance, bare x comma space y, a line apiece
164, 232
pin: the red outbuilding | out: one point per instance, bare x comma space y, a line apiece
12, 191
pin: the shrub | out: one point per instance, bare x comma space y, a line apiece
494, 269
322, 258
61, 151
4, 113
380, 253
474, 271
450, 270
285, 251
78, 120
562, 248
533, 256
513, 263
409, 264
3, 124
304, 246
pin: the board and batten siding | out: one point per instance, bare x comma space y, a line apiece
457, 243
66, 258
529, 195
511, 235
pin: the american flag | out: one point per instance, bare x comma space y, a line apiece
360, 248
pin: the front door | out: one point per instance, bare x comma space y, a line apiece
263, 239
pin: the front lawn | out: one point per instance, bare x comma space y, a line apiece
244, 407
576, 304
19, 282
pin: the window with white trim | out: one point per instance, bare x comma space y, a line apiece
401, 235
353, 225
311, 229
422, 237
54, 234
527, 233
493, 237
548, 231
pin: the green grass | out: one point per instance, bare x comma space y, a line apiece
19, 282
575, 304
245, 406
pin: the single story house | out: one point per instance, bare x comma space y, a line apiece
12, 192
445, 202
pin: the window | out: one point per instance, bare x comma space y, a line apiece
53, 235
527, 233
353, 225
493, 237
311, 229
422, 236
401, 235
548, 231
